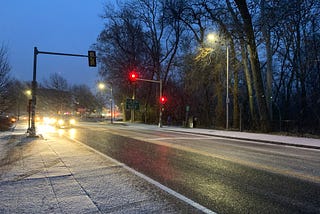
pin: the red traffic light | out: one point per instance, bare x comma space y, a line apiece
163, 100
133, 76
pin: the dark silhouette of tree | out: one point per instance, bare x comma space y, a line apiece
4, 78
56, 81
273, 58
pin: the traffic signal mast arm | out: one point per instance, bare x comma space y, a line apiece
92, 63
154, 81
91, 55
160, 97
134, 77
146, 80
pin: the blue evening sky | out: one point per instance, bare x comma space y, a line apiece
69, 26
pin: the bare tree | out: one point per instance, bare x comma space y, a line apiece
255, 65
274, 52
121, 48
298, 54
83, 98
141, 36
4, 77
56, 81
57, 88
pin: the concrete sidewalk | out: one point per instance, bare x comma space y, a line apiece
56, 175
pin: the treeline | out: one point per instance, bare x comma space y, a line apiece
273, 61
54, 96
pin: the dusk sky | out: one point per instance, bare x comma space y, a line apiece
68, 26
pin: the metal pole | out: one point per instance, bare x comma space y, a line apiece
161, 106
133, 98
227, 97
111, 112
32, 130
160, 95
29, 113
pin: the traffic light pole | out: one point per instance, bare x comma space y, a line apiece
133, 98
160, 95
161, 105
92, 62
32, 128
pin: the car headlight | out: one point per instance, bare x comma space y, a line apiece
53, 120
60, 122
72, 121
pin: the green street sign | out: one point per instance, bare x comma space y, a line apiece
132, 104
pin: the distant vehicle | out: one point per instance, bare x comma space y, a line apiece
7, 123
65, 121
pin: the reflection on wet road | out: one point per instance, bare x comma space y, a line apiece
225, 176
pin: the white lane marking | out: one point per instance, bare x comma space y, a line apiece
181, 138
154, 182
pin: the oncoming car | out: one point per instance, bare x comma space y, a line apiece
7, 123
65, 121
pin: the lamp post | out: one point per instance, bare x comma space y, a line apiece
28, 93
213, 38
102, 86
227, 96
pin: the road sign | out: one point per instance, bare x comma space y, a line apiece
132, 104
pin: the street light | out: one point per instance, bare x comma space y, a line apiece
28, 92
102, 86
214, 38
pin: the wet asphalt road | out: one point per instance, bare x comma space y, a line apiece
223, 175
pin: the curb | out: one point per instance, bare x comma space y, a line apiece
252, 140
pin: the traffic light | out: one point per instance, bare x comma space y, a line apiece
92, 58
163, 100
133, 76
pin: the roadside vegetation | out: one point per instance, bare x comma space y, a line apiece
267, 51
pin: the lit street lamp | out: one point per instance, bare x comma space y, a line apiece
28, 92
102, 86
213, 38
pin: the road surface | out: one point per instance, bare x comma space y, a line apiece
224, 175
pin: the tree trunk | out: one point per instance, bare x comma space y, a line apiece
248, 80
267, 38
235, 93
255, 66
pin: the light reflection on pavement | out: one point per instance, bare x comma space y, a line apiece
43, 129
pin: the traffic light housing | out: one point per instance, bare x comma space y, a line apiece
163, 100
92, 59
133, 76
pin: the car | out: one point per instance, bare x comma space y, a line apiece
65, 121
7, 123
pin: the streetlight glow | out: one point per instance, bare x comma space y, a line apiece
212, 37
101, 86
28, 92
